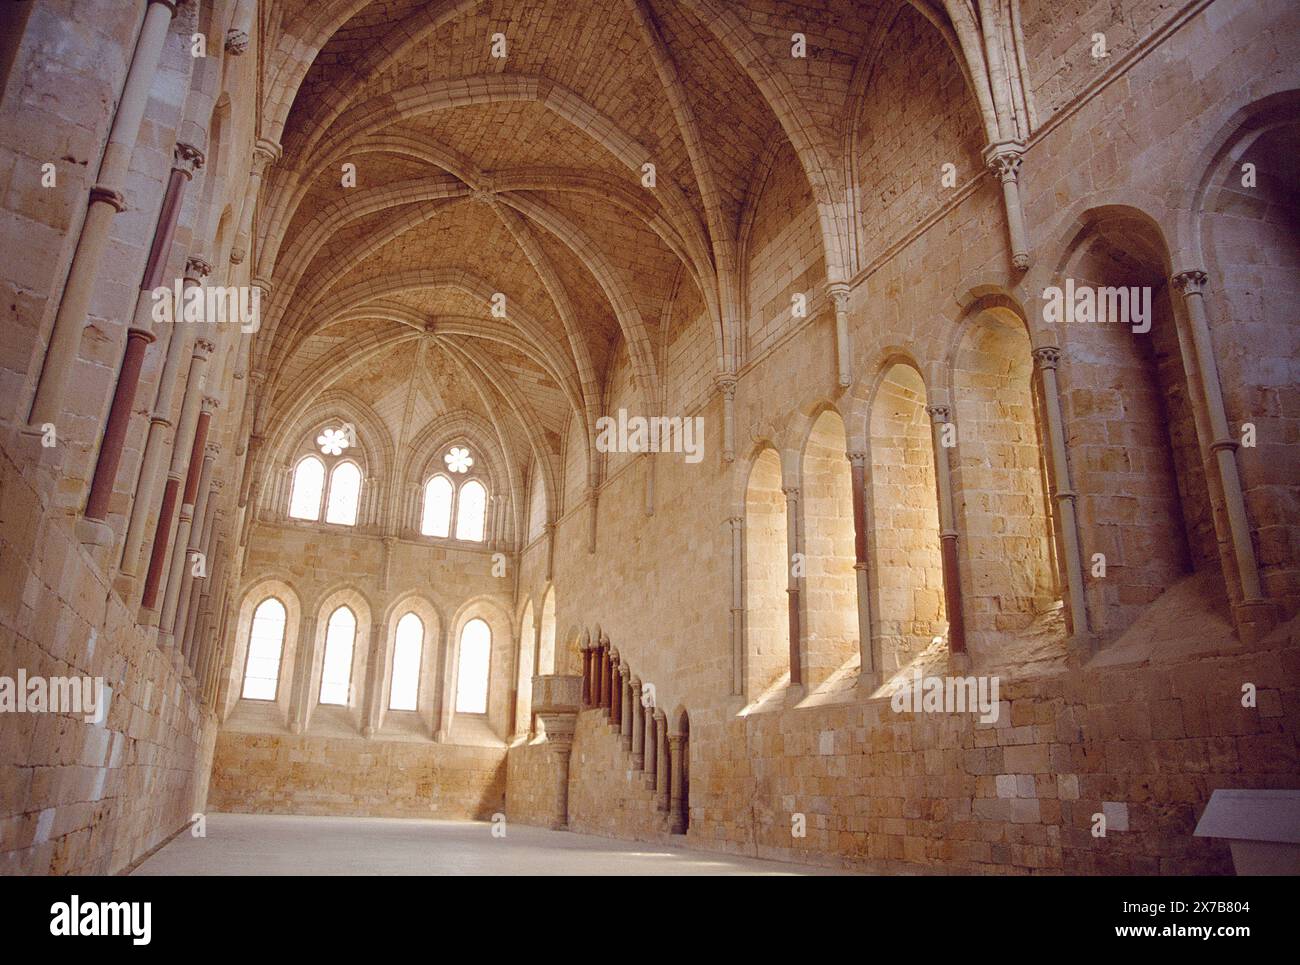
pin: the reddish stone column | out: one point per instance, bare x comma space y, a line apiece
189, 417
171, 596
604, 673
661, 760
625, 714
615, 689
119, 416
586, 673
677, 796
186, 160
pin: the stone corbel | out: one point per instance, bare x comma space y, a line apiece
843, 355
1004, 160
726, 384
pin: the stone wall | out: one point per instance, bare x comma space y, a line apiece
890, 791
77, 797
532, 784
289, 774
605, 795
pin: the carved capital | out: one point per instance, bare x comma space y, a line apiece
102, 195
203, 347
236, 41
791, 493
212, 450
726, 384
1191, 282
1004, 159
265, 152
264, 285
939, 413
1047, 357
858, 460
840, 295
186, 158
736, 521
210, 404
196, 267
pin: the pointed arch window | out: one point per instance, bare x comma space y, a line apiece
265, 646
404, 689
345, 494
438, 494
308, 485
336, 668
327, 482
471, 511
474, 664
455, 494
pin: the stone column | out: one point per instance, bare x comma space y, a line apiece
372, 707
605, 665
615, 691
186, 160
940, 416
843, 354
151, 466
194, 546
200, 594
593, 500
677, 753
648, 460
793, 546
1004, 160
625, 715
241, 25
737, 524
649, 757
587, 675
252, 427
300, 683
726, 384
265, 153
869, 668
181, 451
91, 529
1047, 358
194, 595
557, 707
661, 761
106, 200
1255, 612
636, 739
189, 496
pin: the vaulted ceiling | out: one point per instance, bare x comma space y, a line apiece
524, 175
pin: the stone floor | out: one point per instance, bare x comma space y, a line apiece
281, 844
